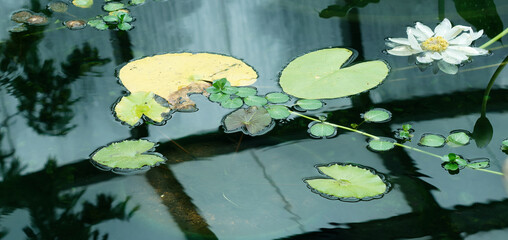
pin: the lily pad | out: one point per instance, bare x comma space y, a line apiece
320, 130
278, 111
277, 97
131, 108
309, 104
124, 26
58, 6
322, 74
127, 156
219, 97
113, 6
458, 139
479, 163
82, 3
377, 115
246, 91
380, 145
167, 73
98, 24
252, 121
232, 103
180, 100
136, 2
504, 145
255, 101
432, 140
348, 182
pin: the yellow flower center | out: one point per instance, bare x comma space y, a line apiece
435, 44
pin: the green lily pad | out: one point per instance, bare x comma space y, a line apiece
278, 111
252, 121
380, 145
348, 183
321, 74
504, 145
110, 19
82, 3
131, 108
479, 163
127, 156
309, 104
277, 97
377, 115
255, 101
246, 91
124, 26
458, 139
98, 24
136, 2
58, 6
113, 6
219, 97
320, 130
432, 140
232, 103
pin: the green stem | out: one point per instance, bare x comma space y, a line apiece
493, 40
377, 138
491, 83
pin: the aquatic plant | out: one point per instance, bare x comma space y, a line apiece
432, 140
130, 109
83, 3
252, 121
348, 182
405, 133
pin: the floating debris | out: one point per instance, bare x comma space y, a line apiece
37, 20
75, 24
58, 6
21, 16
19, 28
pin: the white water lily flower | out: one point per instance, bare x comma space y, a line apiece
447, 45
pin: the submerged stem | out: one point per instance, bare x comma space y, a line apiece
493, 40
377, 138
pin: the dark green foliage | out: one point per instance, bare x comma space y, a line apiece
481, 14
338, 10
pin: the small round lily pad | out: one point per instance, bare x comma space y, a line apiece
458, 139
309, 104
278, 111
255, 101
246, 91
377, 115
382, 144
321, 130
251, 121
432, 140
277, 97
348, 182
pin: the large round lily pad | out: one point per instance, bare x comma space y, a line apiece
167, 73
321, 74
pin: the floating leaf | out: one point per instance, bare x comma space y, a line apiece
180, 100
309, 104
432, 140
37, 20
98, 23
246, 91
110, 19
82, 3
126, 156
451, 166
219, 97
319, 130
377, 115
479, 164
229, 90
504, 145
383, 144
252, 121
457, 139
321, 74
131, 108
124, 26
137, 2
278, 111
255, 101
232, 103
58, 6
167, 73
21, 16
277, 97
75, 24
113, 6
348, 183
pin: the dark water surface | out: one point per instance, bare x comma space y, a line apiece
58, 85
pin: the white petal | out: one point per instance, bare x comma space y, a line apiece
403, 41
424, 59
412, 40
456, 54
420, 36
443, 27
447, 68
425, 30
462, 39
449, 59
401, 51
469, 51
476, 35
435, 56
450, 34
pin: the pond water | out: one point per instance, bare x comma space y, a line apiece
58, 87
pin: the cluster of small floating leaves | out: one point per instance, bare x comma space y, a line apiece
26, 17
348, 182
128, 156
504, 145
405, 133
454, 139
454, 163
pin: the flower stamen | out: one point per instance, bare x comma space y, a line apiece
435, 44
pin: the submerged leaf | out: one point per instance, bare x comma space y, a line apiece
377, 115
252, 121
432, 140
82, 3
131, 108
320, 130
126, 156
348, 183
167, 73
278, 111
321, 74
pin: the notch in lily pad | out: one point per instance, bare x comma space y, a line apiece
458, 138
251, 121
321, 130
126, 157
381, 144
377, 115
130, 109
432, 140
348, 182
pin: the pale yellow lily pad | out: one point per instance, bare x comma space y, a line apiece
167, 73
